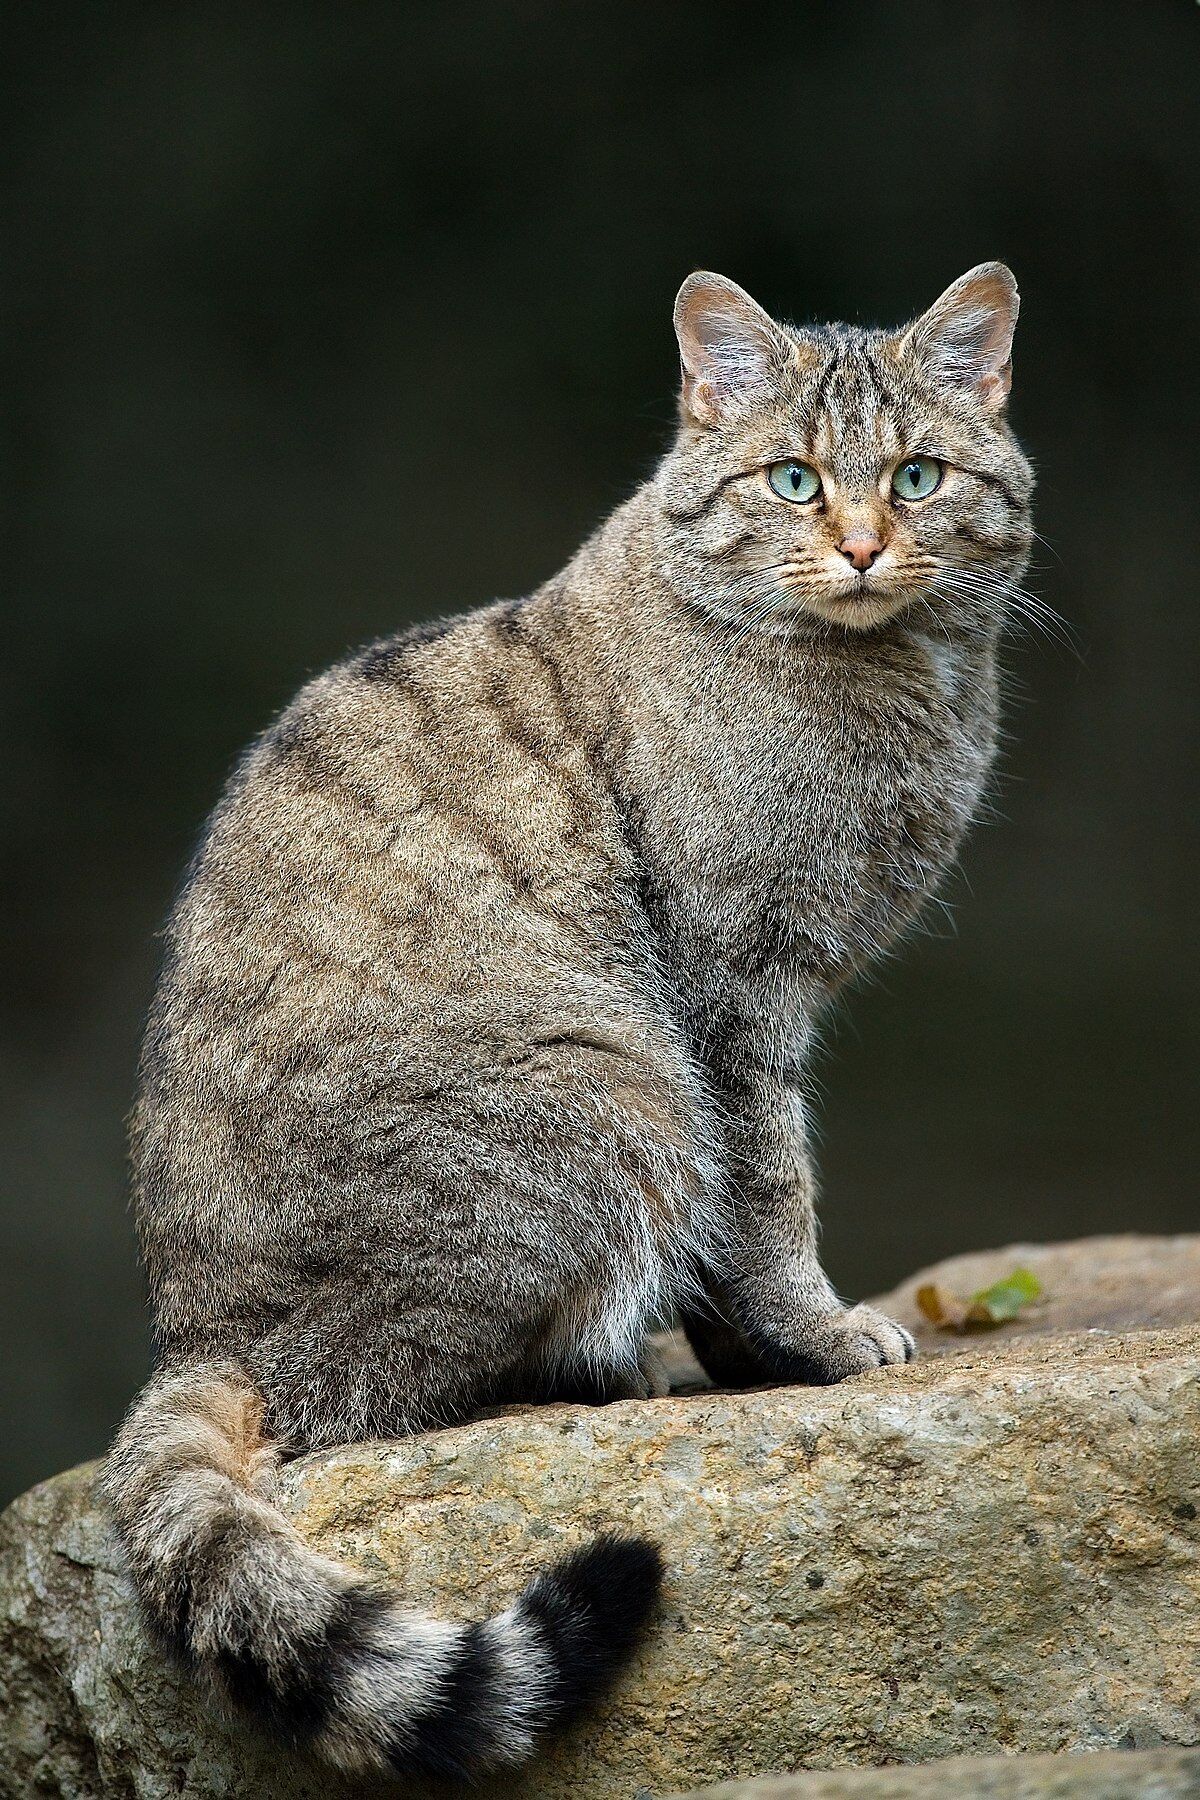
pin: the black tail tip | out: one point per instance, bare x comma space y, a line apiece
592, 1607
616, 1580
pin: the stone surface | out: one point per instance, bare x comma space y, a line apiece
1117, 1283
995, 1550
1127, 1283
1109, 1775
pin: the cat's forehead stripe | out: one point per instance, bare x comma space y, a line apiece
848, 407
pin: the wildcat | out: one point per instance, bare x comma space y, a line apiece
480, 1039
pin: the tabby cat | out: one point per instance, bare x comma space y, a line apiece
480, 1042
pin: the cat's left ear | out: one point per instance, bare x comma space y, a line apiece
731, 350
966, 336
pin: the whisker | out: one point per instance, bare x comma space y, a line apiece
1012, 600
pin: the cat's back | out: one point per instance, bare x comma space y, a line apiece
434, 766
420, 838
412, 904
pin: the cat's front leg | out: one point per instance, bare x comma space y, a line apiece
774, 1295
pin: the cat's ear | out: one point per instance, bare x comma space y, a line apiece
966, 336
731, 350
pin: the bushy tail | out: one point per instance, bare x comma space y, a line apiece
327, 1658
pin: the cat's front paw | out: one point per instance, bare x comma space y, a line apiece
845, 1344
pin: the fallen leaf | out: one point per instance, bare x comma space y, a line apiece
990, 1307
1004, 1299
941, 1307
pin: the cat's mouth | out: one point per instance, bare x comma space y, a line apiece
857, 600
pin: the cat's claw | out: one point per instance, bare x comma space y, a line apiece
846, 1344
885, 1339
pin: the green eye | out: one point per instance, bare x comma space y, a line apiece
794, 480
916, 478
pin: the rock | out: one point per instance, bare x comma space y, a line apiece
1119, 1283
1126, 1283
1109, 1775
995, 1550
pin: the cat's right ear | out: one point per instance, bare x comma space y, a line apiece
730, 349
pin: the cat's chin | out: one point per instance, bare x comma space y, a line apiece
860, 608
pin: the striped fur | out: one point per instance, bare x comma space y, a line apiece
327, 1659
481, 1041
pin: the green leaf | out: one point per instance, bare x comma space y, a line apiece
1004, 1299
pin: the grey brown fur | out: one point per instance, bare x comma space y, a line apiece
480, 1042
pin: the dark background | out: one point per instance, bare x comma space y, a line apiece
322, 317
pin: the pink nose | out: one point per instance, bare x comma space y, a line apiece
861, 548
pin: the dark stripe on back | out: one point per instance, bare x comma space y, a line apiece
304, 746
516, 721
385, 660
513, 628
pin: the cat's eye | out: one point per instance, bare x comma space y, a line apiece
916, 478
794, 481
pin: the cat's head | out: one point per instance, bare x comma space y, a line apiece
843, 475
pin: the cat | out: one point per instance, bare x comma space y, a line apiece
480, 1040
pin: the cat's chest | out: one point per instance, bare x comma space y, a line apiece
795, 834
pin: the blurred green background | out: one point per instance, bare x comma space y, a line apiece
320, 318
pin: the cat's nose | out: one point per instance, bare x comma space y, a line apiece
861, 548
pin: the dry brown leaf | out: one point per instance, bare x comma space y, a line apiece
941, 1307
